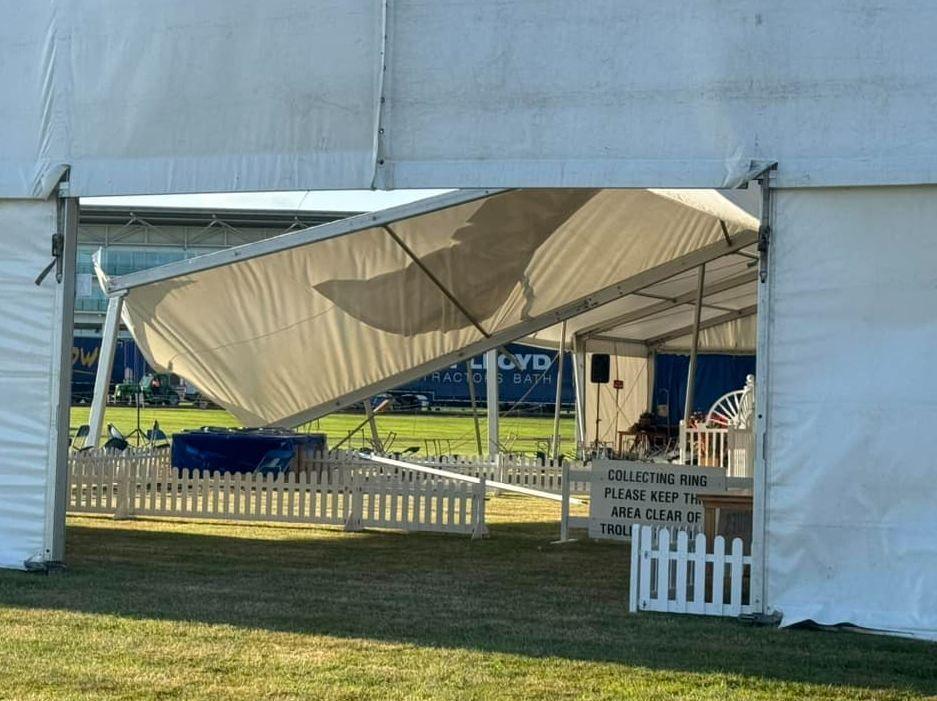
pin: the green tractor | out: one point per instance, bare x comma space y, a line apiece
155, 390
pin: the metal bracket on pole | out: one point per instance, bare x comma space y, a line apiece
58, 251
764, 231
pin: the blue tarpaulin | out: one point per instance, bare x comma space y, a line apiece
238, 450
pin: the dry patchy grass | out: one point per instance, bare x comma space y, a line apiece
178, 610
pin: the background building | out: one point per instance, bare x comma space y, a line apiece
136, 238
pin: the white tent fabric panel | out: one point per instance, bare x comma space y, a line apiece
736, 337
175, 96
850, 515
633, 94
617, 409
295, 334
31, 156
29, 372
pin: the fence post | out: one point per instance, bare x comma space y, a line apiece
480, 530
498, 471
635, 572
124, 508
682, 438
353, 520
564, 506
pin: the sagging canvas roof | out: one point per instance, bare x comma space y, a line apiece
292, 328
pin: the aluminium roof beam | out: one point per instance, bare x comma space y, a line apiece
666, 305
750, 310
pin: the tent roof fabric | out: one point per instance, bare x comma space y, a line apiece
292, 328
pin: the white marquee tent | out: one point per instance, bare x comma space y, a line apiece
286, 330
231, 96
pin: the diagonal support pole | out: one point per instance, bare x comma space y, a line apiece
102, 379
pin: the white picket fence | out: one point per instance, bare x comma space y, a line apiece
707, 446
340, 490
681, 575
95, 477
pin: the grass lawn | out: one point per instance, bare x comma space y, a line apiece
176, 610
455, 434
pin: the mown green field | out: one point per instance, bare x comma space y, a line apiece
431, 433
176, 610
152, 609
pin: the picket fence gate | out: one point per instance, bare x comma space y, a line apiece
339, 490
681, 575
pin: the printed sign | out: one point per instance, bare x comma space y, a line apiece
625, 492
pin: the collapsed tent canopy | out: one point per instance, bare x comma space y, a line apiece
288, 329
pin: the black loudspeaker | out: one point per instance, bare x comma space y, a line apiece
600, 368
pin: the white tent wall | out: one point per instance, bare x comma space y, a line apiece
31, 344
175, 96
617, 409
180, 96
850, 485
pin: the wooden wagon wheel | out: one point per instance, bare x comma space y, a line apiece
734, 408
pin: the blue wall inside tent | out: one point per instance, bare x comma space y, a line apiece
715, 375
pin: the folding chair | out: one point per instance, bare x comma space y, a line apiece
80, 441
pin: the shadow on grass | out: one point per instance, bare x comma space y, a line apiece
514, 593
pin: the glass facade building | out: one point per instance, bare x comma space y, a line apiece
132, 239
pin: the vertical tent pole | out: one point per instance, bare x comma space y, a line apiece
102, 380
694, 348
598, 412
57, 495
579, 375
651, 379
759, 602
471, 389
491, 380
372, 423
555, 445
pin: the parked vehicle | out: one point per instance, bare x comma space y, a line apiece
155, 389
